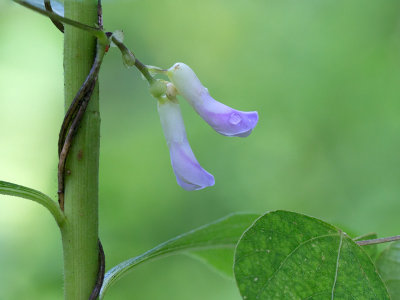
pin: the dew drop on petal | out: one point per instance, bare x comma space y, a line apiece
235, 119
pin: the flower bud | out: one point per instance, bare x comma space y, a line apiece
158, 88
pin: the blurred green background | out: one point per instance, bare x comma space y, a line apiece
324, 76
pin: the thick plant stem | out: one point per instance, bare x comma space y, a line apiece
80, 230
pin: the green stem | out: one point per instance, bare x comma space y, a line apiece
80, 230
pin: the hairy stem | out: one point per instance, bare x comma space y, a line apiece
80, 230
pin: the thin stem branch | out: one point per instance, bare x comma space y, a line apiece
138, 64
100, 14
143, 69
68, 142
85, 88
100, 274
58, 24
97, 32
379, 241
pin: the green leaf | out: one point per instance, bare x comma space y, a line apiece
388, 264
221, 234
372, 250
286, 255
11, 189
220, 259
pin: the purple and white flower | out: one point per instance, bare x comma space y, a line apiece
189, 174
224, 119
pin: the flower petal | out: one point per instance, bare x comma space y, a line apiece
189, 174
224, 119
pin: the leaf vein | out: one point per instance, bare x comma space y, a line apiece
337, 265
289, 255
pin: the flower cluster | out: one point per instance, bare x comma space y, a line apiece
223, 119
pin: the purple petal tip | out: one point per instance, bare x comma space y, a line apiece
191, 186
189, 174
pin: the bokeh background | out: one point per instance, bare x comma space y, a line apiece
323, 75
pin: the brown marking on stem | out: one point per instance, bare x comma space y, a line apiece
80, 154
